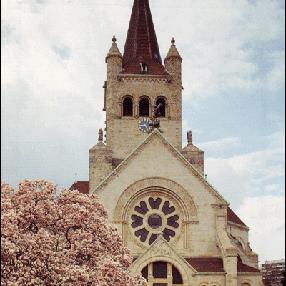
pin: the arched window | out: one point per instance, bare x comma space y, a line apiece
158, 273
160, 107
127, 106
144, 107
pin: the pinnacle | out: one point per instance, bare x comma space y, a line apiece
173, 52
114, 51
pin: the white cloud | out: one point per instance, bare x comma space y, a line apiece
224, 42
265, 215
276, 77
220, 144
250, 174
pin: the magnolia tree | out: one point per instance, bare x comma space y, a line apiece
65, 239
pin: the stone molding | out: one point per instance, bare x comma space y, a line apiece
151, 78
161, 185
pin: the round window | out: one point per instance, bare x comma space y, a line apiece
153, 216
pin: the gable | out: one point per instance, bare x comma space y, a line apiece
162, 251
156, 157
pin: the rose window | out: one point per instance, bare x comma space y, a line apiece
152, 217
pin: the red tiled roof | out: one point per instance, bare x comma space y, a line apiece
206, 264
81, 186
141, 43
241, 267
232, 216
215, 264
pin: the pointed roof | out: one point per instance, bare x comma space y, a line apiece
114, 51
141, 44
173, 52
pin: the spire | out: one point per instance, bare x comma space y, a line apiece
141, 52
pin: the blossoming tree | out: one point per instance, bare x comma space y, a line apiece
65, 239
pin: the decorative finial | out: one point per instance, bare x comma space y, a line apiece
190, 137
114, 40
173, 41
100, 135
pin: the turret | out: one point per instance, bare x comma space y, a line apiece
173, 62
193, 154
114, 61
100, 162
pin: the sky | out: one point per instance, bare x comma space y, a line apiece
53, 69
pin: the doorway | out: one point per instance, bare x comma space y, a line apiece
162, 274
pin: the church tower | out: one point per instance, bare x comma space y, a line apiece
180, 230
137, 82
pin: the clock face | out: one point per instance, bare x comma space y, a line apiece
144, 125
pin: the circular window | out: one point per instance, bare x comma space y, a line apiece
153, 216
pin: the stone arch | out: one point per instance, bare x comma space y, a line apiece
170, 187
246, 282
127, 106
144, 106
162, 100
167, 189
138, 266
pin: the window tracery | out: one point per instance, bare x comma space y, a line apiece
154, 216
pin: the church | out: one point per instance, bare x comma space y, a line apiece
179, 228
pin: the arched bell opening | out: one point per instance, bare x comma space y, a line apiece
161, 107
144, 107
127, 106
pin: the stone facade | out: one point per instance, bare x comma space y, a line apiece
179, 229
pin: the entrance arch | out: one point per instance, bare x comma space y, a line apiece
161, 273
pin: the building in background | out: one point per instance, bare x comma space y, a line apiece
273, 272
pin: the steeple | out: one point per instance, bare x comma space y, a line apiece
141, 52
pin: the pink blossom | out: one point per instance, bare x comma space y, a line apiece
59, 240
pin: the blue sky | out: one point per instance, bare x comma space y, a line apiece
233, 54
